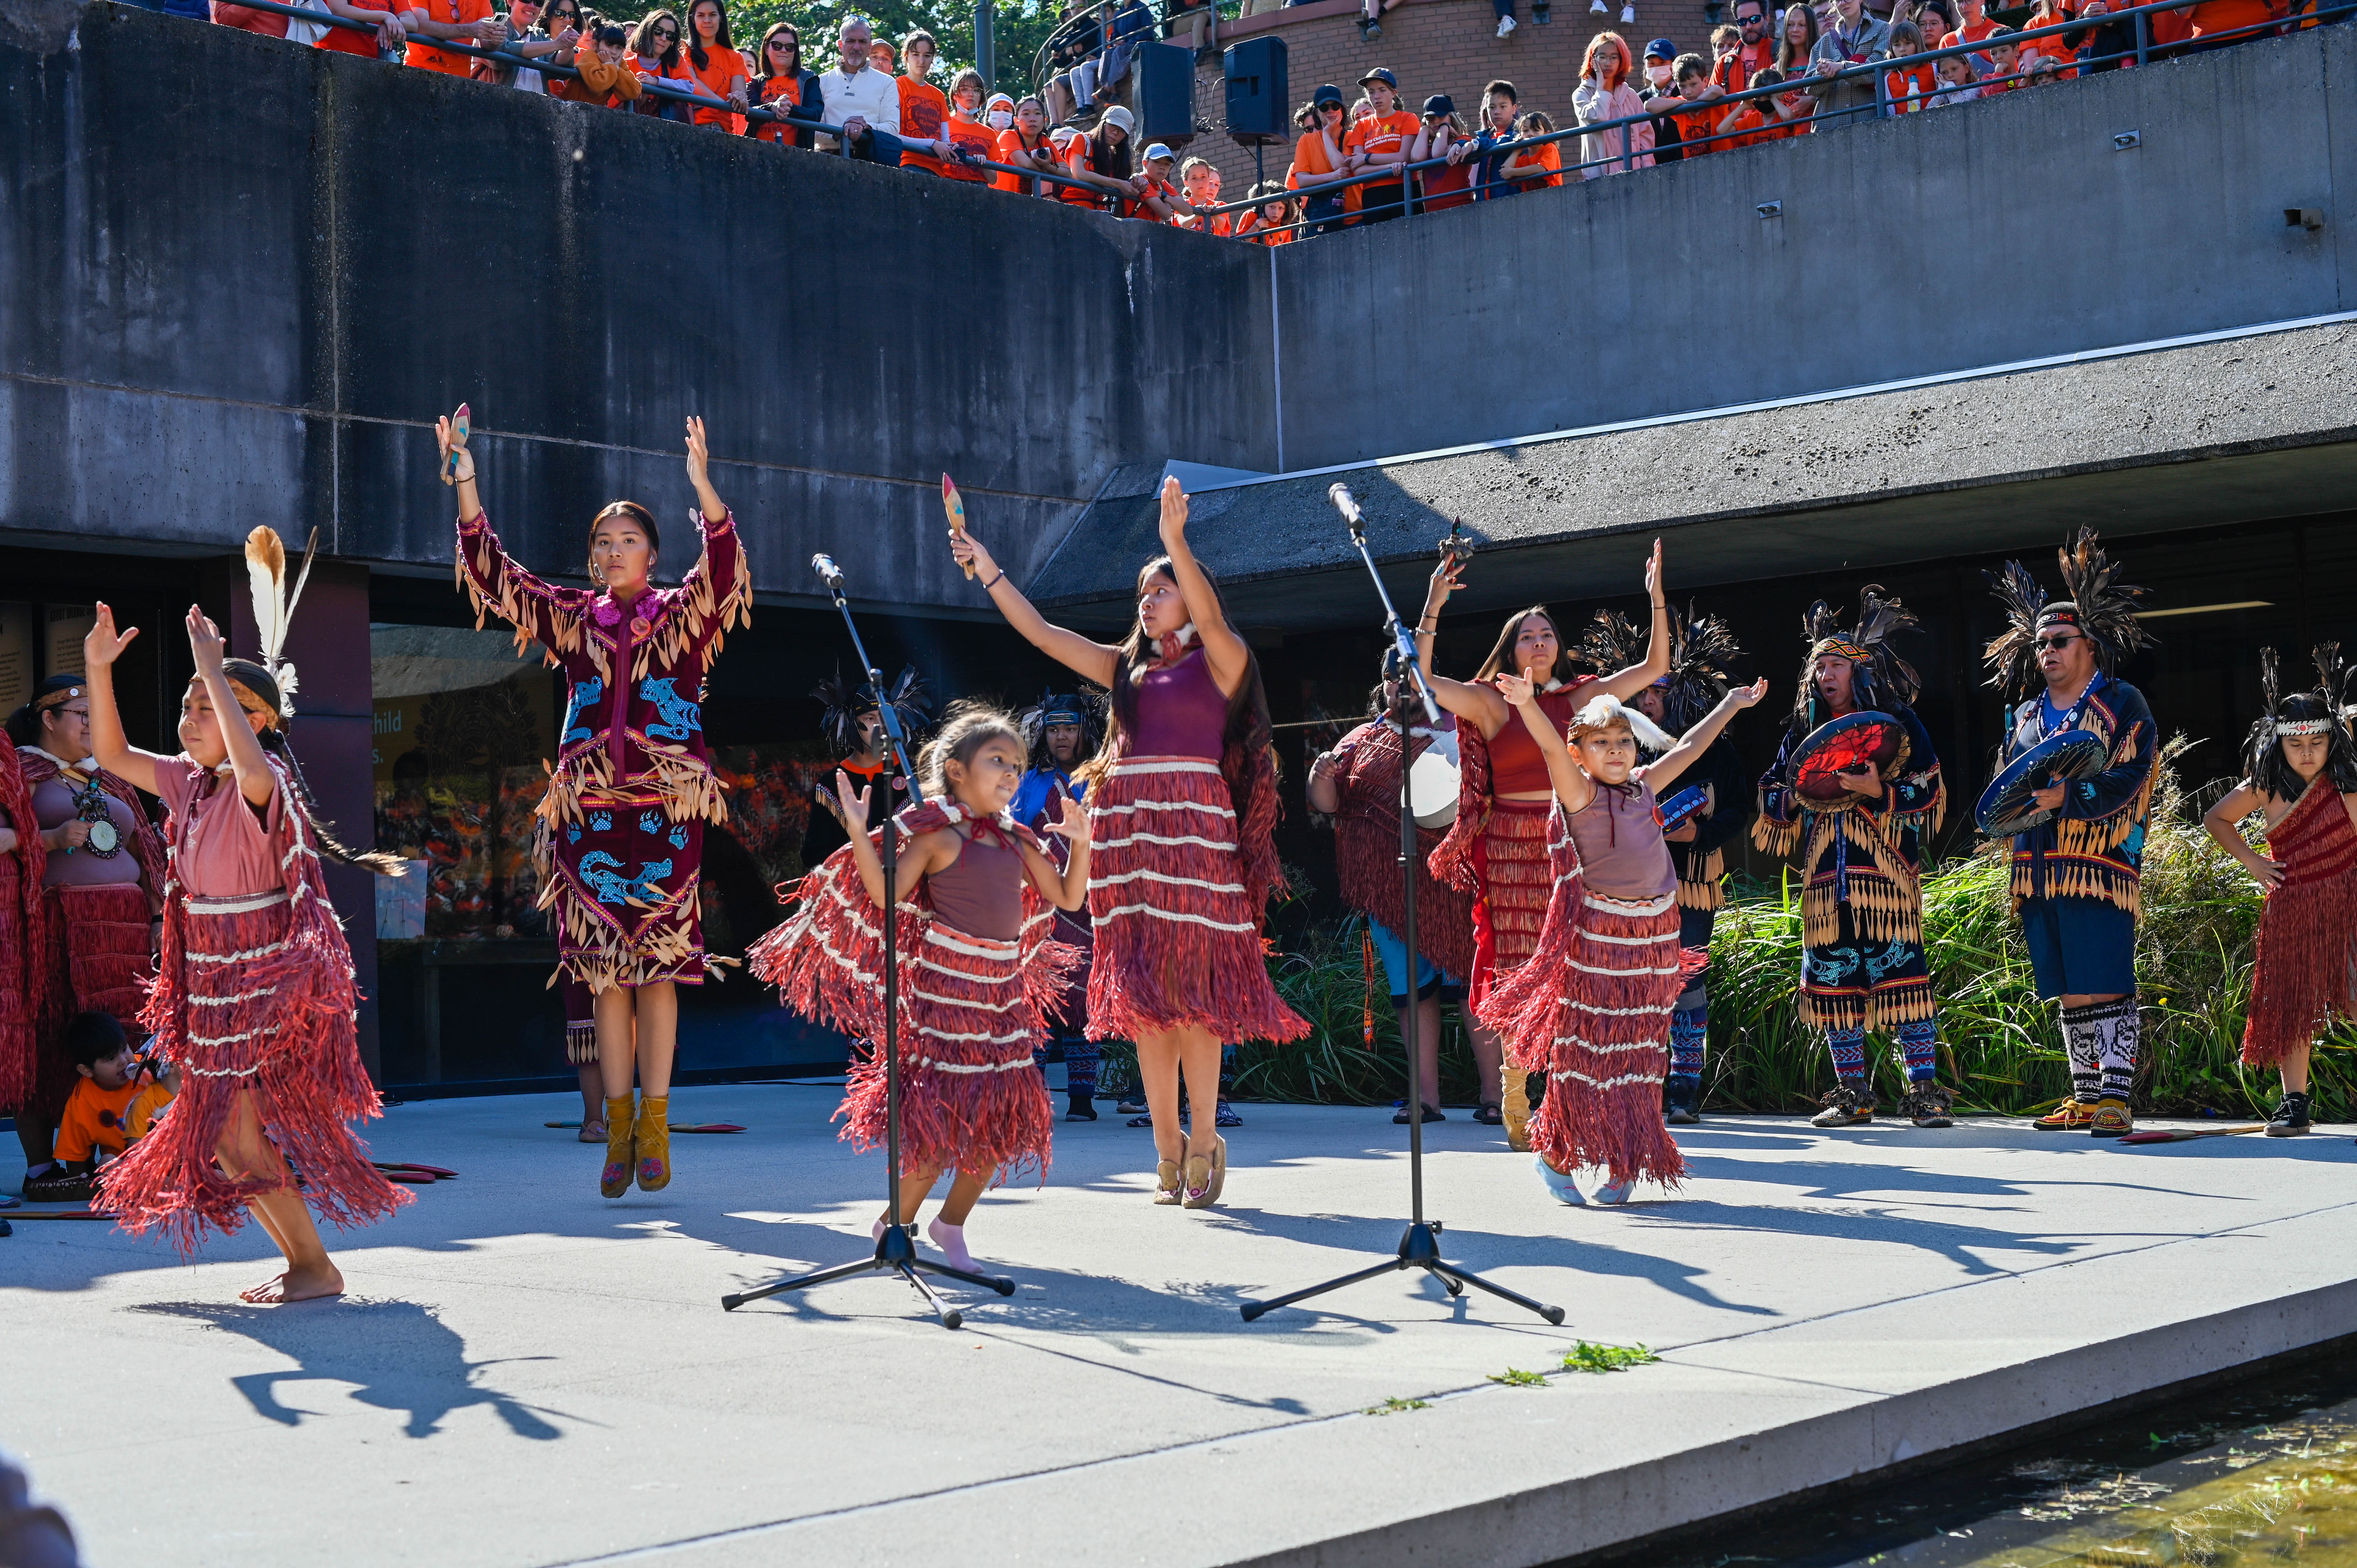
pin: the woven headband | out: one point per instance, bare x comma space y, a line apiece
1061, 716
1843, 647
2300, 727
56, 699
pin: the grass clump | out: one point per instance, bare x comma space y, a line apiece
1395, 1405
1590, 1356
1515, 1377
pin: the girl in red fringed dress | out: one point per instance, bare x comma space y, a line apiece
1182, 816
2300, 770
977, 968
1591, 1008
1496, 849
253, 1000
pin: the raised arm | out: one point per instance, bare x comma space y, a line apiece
2219, 822
1223, 649
255, 781
1092, 660
1626, 683
1664, 771
919, 856
1573, 786
1476, 703
540, 611
1068, 888
100, 648
717, 587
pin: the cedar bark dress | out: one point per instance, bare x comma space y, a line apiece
24, 938
1367, 845
1177, 883
978, 971
254, 994
2300, 977
634, 784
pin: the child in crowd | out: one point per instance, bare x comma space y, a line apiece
1724, 40
2005, 57
1746, 125
1202, 183
1958, 83
1793, 107
607, 81
980, 968
1157, 197
969, 138
1270, 223
1027, 144
1912, 81
116, 1099
1536, 166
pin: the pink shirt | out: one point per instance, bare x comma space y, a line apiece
225, 848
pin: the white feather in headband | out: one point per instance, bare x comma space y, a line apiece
273, 605
1605, 711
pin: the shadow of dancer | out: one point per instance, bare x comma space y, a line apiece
396, 1354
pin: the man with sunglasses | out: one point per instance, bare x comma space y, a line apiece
2076, 877
1755, 54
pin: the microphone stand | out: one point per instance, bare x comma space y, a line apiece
1419, 1246
896, 1250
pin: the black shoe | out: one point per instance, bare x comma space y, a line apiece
1225, 1114
1845, 1107
2291, 1117
1399, 1113
1928, 1104
1081, 1109
59, 1186
1678, 1102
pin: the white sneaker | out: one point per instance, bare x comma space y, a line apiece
1628, 14
1597, 7
1505, 26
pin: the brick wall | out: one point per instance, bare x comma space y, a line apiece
1432, 46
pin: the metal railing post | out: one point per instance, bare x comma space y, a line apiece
2143, 39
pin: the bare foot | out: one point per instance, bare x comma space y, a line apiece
304, 1283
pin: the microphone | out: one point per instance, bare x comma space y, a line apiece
1339, 494
828, 572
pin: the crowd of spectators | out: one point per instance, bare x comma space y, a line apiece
1352, 161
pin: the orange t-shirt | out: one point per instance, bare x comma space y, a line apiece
1255, 229
1735, 72
1970, 33
2214, 17
1909, 85
1381, 135
924, 110
1222, 223
978, 139
99, 1119
780, 92
1548, 155
453, 12
1746, 127
1008, 148
719, 69
652, 65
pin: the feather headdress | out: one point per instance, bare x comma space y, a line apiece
1701, 649
2099, 605
1605, 711
2322, 712
844, 703
273, 605
1880, 679
1086, 709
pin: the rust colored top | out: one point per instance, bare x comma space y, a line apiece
981, 892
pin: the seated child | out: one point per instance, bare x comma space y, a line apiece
113, 1105
1957, 82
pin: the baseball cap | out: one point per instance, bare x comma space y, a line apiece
1383, 75
995, 99
1158, 150
1660, 49
1119, 114
1062, 135
1329, 93
1439, 104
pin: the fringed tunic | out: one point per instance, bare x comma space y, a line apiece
2094, 847
2301, 978
634, 784
254, 995
1497, 849
973, 1005
1591, 1007
1178, 885
1367, 843
24, 940
100, 909
1862, 962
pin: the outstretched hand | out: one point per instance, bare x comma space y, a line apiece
970, 554
698, 453
102, 645
1447, 578
205, 642
1072, 818
1654, 578
1741, 696
1515, 689
854, 807
448, 440
1174, 514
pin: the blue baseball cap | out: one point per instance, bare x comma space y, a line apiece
1660, 49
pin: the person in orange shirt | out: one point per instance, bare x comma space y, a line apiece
453, 21
1159, 197
2060, 48
924, 108
1793, 107
1975, 26
1271, 223
964, 131
1910, 81
2005, 56
655, 56
2216, 23
1377, 141
1026, 144
1438, 133
713, 66
1101, 161
1755, 53
389, 35
781, 84
1201, 183
1318, 161
1746, 123
115, 1101
1063, 139
1533, 169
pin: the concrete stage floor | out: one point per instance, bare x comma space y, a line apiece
525, 1374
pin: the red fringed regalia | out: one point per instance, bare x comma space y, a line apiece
972, 1010
1591, 1009
254, 992
1366, 850
2301, 978
24, 938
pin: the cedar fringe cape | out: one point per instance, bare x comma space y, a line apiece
1366, 853
2301, 976
1591, 1009
260, 999
25, 944
972, 1010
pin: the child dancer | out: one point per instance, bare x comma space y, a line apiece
253, 998
978, 967
1592, 1006
2300, 769
634, 784
1182, 813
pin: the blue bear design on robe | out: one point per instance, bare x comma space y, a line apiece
585, 697
602, 872
677, 717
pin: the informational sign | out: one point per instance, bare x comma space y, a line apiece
16, 656
69, 624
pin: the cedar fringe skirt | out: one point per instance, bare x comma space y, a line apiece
1511, 860
235, 1032
1178, 942
100, 961
2301, 979
1611, 1047
970, 1098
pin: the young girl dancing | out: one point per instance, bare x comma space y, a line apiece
634, 784
2300, 770
254, 995
978, 968
1591, 1008
1496, 849
1182, 811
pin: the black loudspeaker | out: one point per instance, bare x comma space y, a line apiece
1165, 93
1258, 105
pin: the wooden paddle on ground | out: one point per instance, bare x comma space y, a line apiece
676, 1126
2187, 1135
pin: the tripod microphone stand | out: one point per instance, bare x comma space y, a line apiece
1419, 1247
896, 1250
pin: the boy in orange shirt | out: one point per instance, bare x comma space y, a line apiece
1379, 140
111, 1108
1745, 125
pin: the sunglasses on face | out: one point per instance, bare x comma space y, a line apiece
785, 44
2057, 644
667, 35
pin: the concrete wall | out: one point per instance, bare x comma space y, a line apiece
1999, 231
244, 300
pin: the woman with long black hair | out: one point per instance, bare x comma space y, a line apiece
1182, 816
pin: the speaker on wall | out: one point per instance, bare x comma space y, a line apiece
1165, 93
1257, 105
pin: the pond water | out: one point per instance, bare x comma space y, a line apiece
2266, 1473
